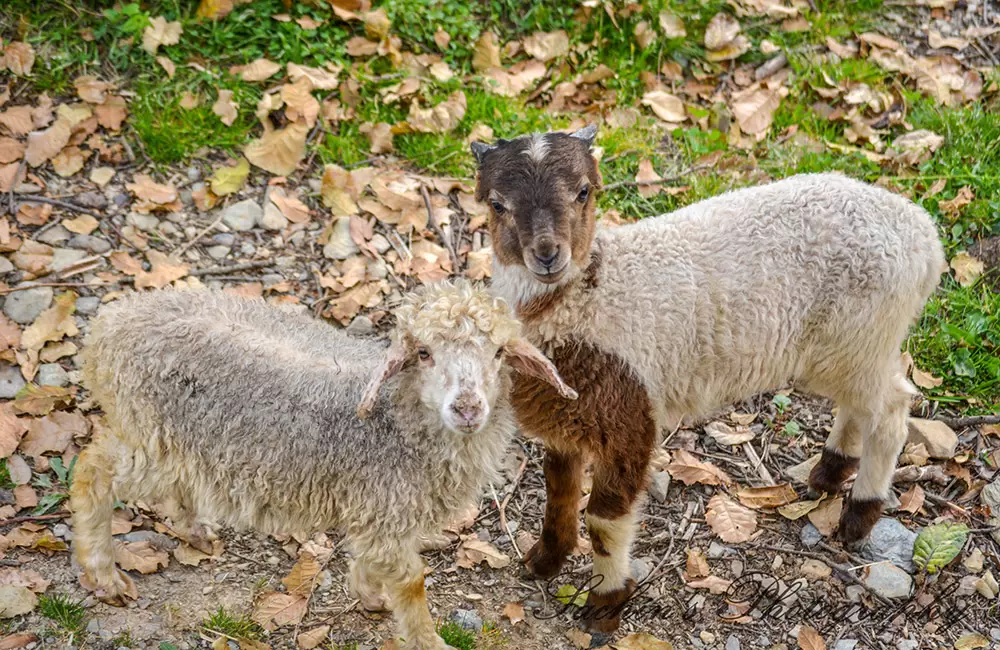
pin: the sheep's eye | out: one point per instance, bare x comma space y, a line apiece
584, 193
498, 207
499, 354
423, 353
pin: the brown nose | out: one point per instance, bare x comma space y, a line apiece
546, 254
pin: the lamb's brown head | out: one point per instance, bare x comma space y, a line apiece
540, 190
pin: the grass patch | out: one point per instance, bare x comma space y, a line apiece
234, 625
457, 636
68, 614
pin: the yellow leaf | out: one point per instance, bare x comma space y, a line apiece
300, 579
227, 180
967, 268
487, 53
213, 9
798, 509
163, 271
52, 324
82, 225
768, 497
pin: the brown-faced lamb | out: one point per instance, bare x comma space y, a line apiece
234, 412
814, 280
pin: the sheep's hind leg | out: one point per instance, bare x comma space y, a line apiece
882, 443
561, 526
403, 575
92, 501
367, 588
840, 454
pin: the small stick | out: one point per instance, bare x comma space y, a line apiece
503, 522
659, 181
840, 568
17, 520
758, 464
10, 193
183, 249
971, 421
233, 268
437, 229
56, 202
4, 292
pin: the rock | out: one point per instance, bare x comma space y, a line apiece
89, 243
892, 541
24, 306
11, 381
467, 619
845, 644
967, 586
659, 485
763, 641
891, 503
889, 581
815, 570
854, 593
907, 644
273, 219
732, 643
193, 174
974, 562
145, 222
93, 200
247, 249
340, 246
995, 633
55, 236
87, 304
224, 239
640, 569
159, 540
360, 326
810, 536
380, 243
218, 252
5, 265
52, 374
706, 637
64, 257
242, 216
938, 437
716, 550
62, 531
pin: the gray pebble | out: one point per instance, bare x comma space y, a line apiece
845, 644
121, 199
273, 219
889, 581
732, 643
224, 239
55, 236
360, 326
11, 381
89, 243
93, 200
716, 550
810, 536
24, 306
902, 644
87, 304
52, 374
193, 174
62, 531
247, 249
380, 243
340, 246
640, 569
659, 485
218, 252
145, 222
5, 265
467, 619
242, 216
64, 257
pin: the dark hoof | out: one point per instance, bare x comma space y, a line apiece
541, 563
831, 471
604, 610
599, 639
858, 519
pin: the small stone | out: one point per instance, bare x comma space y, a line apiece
273, 219
93, 626
55, 236
974, 562
732, 643
810, 536
224, 239
967, 586
815, 569
93, 200
938, 437
905, 644
659, 485
763, 641
52, 374
62, 531
87, 304
89, 243
24, 306
706, 637
145, 222
467, 619
854, 593
845, 644
995, 633
380, 243
193, 174
64, 257
340, 246
5, 265
716, 550
242, 216
892, 541
640, 569
11, 380
889, 581
247, 249
218, 252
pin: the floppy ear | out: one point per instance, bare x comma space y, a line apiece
395, 359
529, 360
588, 134
480, 149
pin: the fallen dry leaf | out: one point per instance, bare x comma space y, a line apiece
112, 112
672, 25
913, 499
319, 78
300, 579
809, 639
82, 225
667, 107
642, 641
953, 207
294, 210
53, 433
41, 400
925, 379
190, 556
52, 324
18, 469
724, 434
313, 638
140, 556
15, 601
146, 189
163, 271
257, 70
697, 565
275, 609
729, 520
22, 577
647, 174
714, 584
474, 551
18, 57
167, 65
772, 496
441, 118
44, 145
12, 430
513, 612
300, 105
826, 516
798, 509
228, 180
754, 109
487, 52
967, 268
546, 46
280, 150
687, 469
160, 32
225, 107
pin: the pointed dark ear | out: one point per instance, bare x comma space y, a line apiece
395, 359
480, 149
529, 360
588, 134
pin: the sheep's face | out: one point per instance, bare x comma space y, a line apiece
540, 192
453, 341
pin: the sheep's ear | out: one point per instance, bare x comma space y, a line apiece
588, 134
395, 359
480, 149
529, 360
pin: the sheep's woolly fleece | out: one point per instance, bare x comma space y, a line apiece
455, 312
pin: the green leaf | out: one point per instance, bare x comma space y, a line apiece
938, 545
781, 402
48, 503
167, 646
227, 180
569, 594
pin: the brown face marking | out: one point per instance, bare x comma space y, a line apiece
833, 469
858, 519
604, 610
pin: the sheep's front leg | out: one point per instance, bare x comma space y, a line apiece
402, 573
367, 588
619, 481
840, 454
563, 476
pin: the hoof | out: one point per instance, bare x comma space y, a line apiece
540, 562
604, 610
831, 471
118, 593
858, 519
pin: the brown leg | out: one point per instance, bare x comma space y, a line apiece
840, 455
563, 473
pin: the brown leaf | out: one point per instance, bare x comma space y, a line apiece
33, 257
480, 264
55, 351
257, 70
672, 25
967, 268
519, 78
925, 379
112, 112
724, 434
40, 400
697, 565
44, 145
15, 601
279, 151
646, 174
275, 609
772, 496
294, 210
52, 324
439, 119
729, 520
319, 78
302, 576
167, 65
53, 433
12, 430
214, 9
667, 107
90, 89
798, 509
18, 469
313, 638
17, 120
140, 556
546, 46
487, 52
18, 57
687, 469
379, 137
912, 500
474, 551
642, 641
125, 263
21, 577
953, 207
826, 516
360, 46
754, 109
10, 150
18, 641
82, 225
714, 584
915, 147
809, 639
513, 612
10, 334
25, 497
225, 107
300, 105
160, 32
163, 271
578, 638
190, 556
722, 29
146, 189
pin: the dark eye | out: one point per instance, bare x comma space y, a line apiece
584, 193
423, 353
499, 354
498, 207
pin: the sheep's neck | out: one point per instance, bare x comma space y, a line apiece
533, 299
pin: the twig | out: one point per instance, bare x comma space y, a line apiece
56, 202
970, 421
758, 464
841, 569
232, 268
17, 520
4, 292
183, 249
244, 557
503, 521
659, 181
440, 231
10, 193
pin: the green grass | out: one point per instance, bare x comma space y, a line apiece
70, 615
5, 481
457, 636
234, 625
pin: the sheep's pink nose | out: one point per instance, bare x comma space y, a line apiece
468, 413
